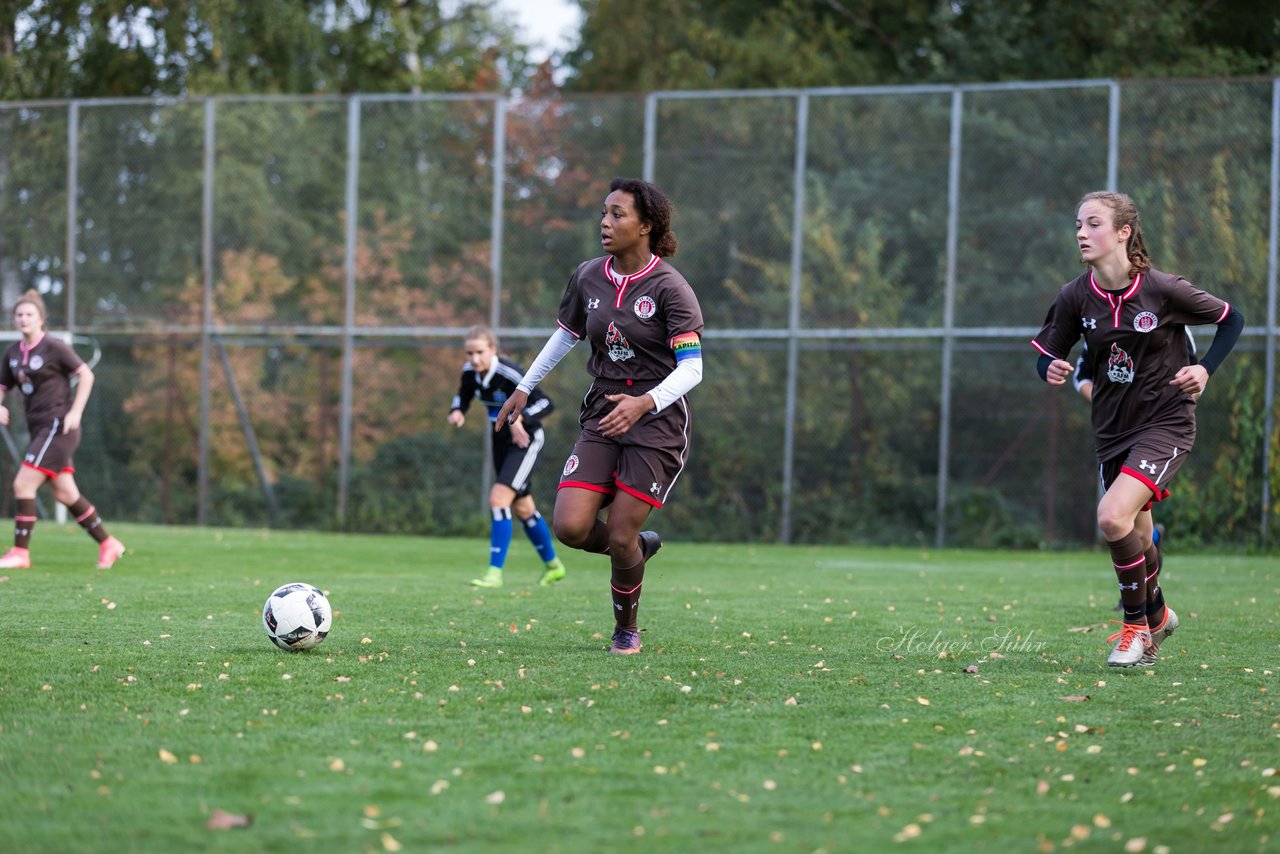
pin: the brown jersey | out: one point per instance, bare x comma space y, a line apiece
43, 374
1137, 342
631, 321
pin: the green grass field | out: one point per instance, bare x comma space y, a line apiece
787, 699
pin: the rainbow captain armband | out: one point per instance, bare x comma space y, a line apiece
687, 346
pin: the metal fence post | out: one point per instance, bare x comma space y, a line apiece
793, 312
650, 134
349, 305
949, 315
1269, 388
206, 311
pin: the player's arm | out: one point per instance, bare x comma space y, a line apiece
560, 343
539, 405
71, 421
1083, 377
462, 400
1059, 334
688, 373
1193, 378
1053, 371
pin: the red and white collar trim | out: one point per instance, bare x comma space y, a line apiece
26, 350
1116, 301
620, 282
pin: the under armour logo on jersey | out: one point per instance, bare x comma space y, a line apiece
1146, 466
1133, 586
593, 303
655, 489
1088, 323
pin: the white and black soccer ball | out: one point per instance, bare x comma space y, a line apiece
297, 616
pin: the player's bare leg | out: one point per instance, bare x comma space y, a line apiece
25, 484
86, 515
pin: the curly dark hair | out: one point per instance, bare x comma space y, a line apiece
653, 207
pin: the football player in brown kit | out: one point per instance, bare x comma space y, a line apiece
41, 368
645, 328
1133, 320
1083, 381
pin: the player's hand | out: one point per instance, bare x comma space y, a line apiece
519, 435
70, 422
1191, 380
4, 416
511, 409
1058, 372
628, 411
456, 418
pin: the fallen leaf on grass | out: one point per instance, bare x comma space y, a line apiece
1074, 698
1087, 628
495, 797
167, 758
972, 668
222, 820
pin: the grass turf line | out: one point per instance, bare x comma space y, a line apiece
788, 698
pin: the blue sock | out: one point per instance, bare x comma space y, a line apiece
540, 535
500, 536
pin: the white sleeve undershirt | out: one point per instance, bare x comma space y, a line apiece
560, 343
688, 373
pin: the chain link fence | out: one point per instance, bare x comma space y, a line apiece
279, 288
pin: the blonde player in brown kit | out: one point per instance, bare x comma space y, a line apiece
645, 328
41, 368
1133, 320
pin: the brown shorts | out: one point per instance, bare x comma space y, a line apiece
1153, 460
644, 462
50, 450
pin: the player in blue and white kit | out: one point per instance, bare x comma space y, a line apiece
491, 379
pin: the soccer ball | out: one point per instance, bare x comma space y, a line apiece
297, 616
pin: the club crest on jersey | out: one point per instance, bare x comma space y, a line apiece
619, 348
1145, 321
1119, 366
570, 465
37, 362
645, 307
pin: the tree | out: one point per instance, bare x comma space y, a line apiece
763, 43
120, 48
